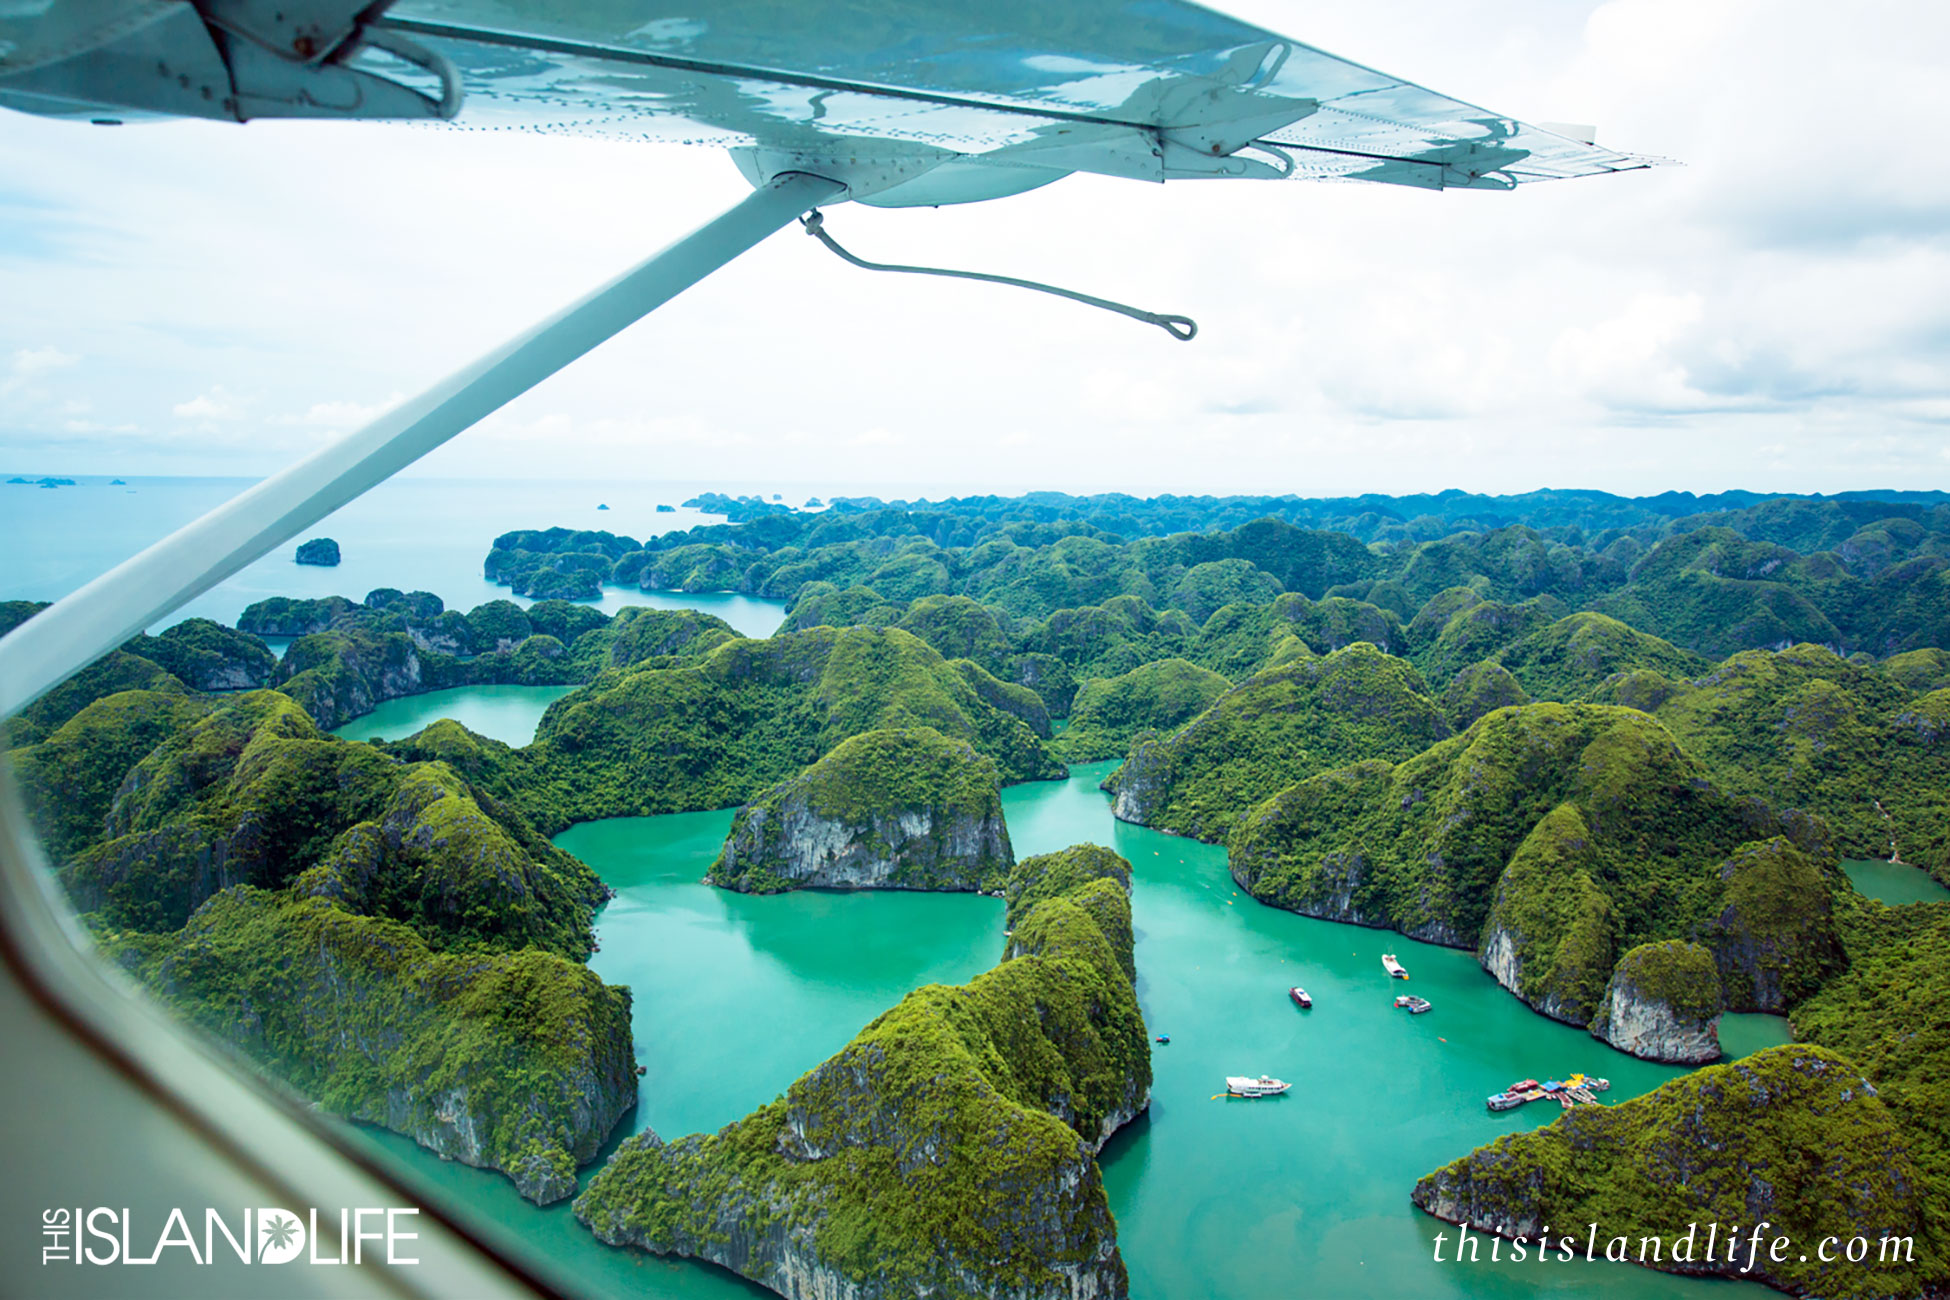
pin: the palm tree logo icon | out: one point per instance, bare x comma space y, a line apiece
282, 1236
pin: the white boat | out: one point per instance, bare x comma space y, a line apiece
1264, 1086
1392, 966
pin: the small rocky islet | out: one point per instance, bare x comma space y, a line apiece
1634, 834
321, 551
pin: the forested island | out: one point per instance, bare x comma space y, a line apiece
1615, 748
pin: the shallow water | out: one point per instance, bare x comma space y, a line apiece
1216, 1198
506, 713
1895, 882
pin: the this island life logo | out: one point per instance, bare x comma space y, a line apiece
280, 1237
108, 1235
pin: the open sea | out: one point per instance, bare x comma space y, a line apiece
425, 534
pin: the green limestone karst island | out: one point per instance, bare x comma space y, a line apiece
1792, 1136
949, 1149
1109, 711
383, 936
889, 809
1663, 1002
1554, 838
710, 730
1280, 726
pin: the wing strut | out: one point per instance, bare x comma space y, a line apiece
61, 640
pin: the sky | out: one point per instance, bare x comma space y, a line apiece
1771, 313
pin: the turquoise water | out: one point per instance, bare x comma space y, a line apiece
1743, 1034
1215, 1198
1895, 882
735, 997
506, 713
422, 534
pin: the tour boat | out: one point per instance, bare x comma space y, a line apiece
1416, 1006
1264, 1086
1392, 966
1300, 996
1506, 1101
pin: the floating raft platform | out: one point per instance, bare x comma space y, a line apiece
1578, 1090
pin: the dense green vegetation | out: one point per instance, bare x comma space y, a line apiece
670, 736
1805, 728
207, 656
1681, 975
1793, 1136
948, 1150
70, 779
894, 808
1480, 689
514, 1060
348, 658
1552, 838
1159, 696
1572, 657
397, 943
1279, 727
1886, 1013
1865, 572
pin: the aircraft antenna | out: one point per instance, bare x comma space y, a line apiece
1182, 328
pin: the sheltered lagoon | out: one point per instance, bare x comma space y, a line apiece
736, 996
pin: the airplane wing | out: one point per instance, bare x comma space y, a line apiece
951, 101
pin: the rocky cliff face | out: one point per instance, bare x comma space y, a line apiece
1775, 940
208, 656
948, 1151
1140, 786
1793, 1136
1663, 1004
1551, 838
1550, 930
379, 935
890, 809
520, 1062
287, 616
342, 674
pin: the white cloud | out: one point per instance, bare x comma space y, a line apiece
30, 364
216, 404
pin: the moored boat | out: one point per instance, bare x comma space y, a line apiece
1264, 1086
1393, 967
1300, 996
1506, 1101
